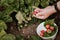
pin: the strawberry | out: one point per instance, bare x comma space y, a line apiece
41, 34
47, 26
42, 31
34, 13
37, 11
52, 28
48, 31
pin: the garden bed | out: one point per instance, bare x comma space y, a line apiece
17, 21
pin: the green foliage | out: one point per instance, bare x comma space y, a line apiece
2, 32
50, 22
9, 6
7, 18
34, 37
8, 37
45, 3
3, 26
20, 37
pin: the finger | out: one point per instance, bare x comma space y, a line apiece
40, 17
34, 15
39, 14
38, 9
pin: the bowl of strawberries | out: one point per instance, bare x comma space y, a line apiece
47, 30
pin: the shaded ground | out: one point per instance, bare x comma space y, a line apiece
58, 36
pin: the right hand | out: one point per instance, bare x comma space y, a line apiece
44, 13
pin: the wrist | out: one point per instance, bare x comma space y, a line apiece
52, 10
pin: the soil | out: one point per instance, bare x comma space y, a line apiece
58, 36
25, 31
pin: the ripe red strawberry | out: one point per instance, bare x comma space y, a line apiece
48, 31
52, 28
47, 26
37, 11
41, 34
42, 31
34, 13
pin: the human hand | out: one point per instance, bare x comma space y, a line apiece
44, 13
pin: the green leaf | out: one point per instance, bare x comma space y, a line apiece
2, 1
7, 18
2, 32
3, 25
10, 1
21, 2
44, 3
8, 37
34, 37
37, 2
19, 38
9, 10
28, 1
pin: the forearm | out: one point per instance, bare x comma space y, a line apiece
52, 8
58, 5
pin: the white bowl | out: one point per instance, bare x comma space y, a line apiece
41, 27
